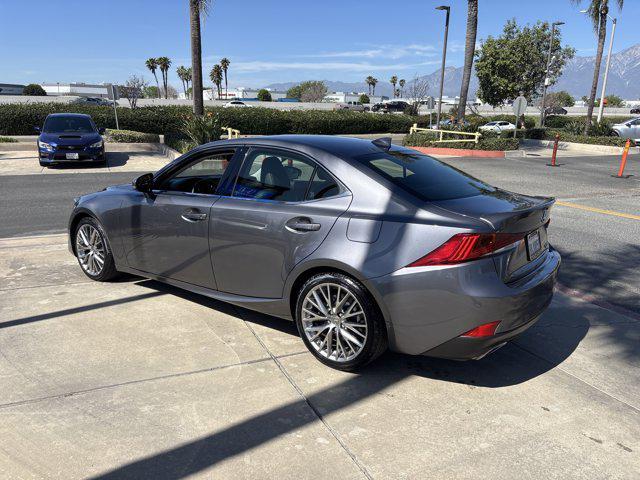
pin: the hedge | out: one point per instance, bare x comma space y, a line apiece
129, 136
490, 143
557, 121
550, 134
7, 140
19, 119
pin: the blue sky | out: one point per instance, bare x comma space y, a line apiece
266, 41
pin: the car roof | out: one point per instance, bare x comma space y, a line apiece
84, 115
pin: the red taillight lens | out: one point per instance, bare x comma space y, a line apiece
467, 246
486, 330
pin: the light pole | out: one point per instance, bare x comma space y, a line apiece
606, 70
444, 59
546, 78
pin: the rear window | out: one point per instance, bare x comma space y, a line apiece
424, 176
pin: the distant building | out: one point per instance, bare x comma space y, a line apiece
76, 89
11, 89
241, 93
345, 97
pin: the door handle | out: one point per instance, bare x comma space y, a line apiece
193, 216
302, 225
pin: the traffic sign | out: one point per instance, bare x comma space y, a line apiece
519, 106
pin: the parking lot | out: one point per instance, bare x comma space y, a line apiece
137, 379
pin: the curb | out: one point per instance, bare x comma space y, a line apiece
577, 147
459, 152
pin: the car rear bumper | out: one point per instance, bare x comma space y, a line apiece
428, 309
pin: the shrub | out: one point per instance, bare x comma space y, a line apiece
129, 136
202, 129
427, 139
7, 140
364, 99
35, 90
264, 95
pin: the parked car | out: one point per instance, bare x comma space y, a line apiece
451, 124
436, 263
69, 137
353, 106
97, 101
635, 110
498, 126
629, 129
393, 106
236, 104
555, 111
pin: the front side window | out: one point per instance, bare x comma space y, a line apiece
271, 174
201, 176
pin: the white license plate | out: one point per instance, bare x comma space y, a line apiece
72, 156
534, 245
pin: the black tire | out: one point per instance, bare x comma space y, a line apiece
376, 334
108, 270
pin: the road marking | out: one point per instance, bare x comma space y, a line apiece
598, 210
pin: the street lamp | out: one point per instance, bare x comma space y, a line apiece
547, 81
444, 59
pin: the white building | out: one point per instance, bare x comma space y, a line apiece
76, 89
241, 93
346, 97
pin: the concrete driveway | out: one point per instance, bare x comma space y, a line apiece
135, 379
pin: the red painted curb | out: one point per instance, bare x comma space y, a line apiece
458, 152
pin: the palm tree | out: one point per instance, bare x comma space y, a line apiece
182, 75
152, 64
402, 83
196, 7
369, 82
224, 63
374, 82
189, 78
393, 80
469, 50
163, 64
216, 77
597, 11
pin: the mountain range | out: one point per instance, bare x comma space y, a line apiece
624, 78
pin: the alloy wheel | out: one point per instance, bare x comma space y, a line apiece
90, 249
334, 322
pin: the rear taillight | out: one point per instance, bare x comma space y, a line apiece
467, 246
486, 330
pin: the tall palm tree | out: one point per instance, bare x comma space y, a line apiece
224, 63
402, 83
182, 75
369, 82
216, 77
469, 50
393, 80
597, 11
197, 7
189, 78
152, 64
374, 82
163, 64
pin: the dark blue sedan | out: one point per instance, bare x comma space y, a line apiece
70, 137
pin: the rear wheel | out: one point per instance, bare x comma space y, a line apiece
93, 251
339, 322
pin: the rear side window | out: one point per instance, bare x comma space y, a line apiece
423, 176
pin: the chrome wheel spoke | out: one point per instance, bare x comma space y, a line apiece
334, 322
90, 249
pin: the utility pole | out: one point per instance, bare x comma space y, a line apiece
606, 70
547, 81
444, 59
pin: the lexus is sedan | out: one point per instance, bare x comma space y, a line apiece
363, 244
69, 137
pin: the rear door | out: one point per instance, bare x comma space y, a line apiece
280, 210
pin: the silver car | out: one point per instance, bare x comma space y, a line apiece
363, 244
629, 129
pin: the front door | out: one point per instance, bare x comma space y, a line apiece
167, 230
281, 209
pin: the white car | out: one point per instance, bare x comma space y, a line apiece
629, 129
236, 104
498, 126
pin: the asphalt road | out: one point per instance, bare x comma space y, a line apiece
601, 251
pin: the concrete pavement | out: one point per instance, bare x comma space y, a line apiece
138, 379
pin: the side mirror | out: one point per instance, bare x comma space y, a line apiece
37, 129
101, 130
144, 183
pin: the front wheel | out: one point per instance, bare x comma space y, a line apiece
93, 251
339, 322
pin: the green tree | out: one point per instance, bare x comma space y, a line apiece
469, 50
264, 95
295, 92
515, 63
393, 81
309, 91
35, 90
216, 77
369, 82
196, 8
402, 82
152, 65
164, 63
559, 99
150, 91
614, 101
374, 82
364, 99
182, 75
224, 63
597, 12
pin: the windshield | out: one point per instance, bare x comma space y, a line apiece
424, 176
68, 125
